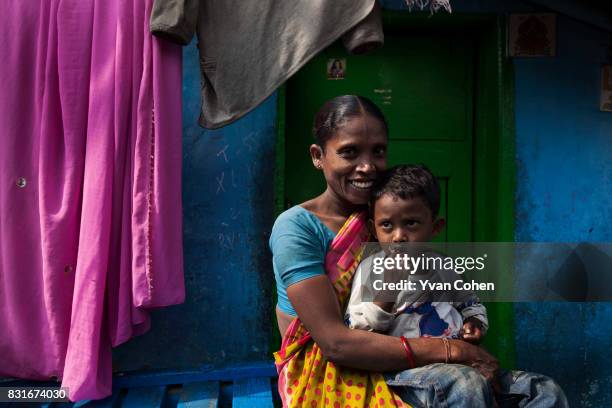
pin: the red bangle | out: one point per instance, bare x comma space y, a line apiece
409, 354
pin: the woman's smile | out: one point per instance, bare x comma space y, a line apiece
363, 185
352, 158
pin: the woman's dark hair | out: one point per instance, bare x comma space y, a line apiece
408, 181
337, 111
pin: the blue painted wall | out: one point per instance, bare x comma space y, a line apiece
564, 193
228, 212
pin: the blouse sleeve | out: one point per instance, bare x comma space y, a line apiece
298, 249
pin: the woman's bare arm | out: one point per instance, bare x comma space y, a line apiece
315, 303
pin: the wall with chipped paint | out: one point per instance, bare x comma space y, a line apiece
564, 193
228, 213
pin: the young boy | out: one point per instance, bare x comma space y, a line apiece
404, 209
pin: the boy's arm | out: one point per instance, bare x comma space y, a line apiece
368, 316
371, 316
386, 306
474, 315
467, 303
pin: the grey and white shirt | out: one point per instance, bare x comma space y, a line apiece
415, 313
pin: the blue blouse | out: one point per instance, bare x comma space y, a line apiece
299, 242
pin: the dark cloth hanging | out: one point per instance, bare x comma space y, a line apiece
249, 48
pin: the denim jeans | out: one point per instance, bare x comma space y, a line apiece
454, 385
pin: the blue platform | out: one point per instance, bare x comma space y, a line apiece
239, 386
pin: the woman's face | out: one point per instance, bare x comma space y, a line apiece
352, 157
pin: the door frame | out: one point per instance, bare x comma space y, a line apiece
493, 163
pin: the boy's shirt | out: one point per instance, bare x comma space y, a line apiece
414, 314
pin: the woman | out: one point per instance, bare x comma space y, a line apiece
315, 248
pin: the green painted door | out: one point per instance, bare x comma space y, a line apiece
439, 115
425, 87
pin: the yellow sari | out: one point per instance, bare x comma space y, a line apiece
306, 378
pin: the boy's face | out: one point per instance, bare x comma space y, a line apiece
404, 220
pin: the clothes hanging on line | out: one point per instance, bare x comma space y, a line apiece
90, 186
249, 48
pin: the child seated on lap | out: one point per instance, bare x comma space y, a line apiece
404, 208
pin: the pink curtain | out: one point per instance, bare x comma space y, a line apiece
90, 196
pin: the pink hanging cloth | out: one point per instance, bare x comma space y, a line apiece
90, 186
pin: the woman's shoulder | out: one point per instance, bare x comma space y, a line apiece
295, 218
298, 221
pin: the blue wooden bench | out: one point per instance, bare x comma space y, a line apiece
239, 386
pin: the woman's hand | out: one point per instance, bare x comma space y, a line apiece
475, 357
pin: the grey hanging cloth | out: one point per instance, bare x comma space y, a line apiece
249, 48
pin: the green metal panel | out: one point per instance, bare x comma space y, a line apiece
494, 170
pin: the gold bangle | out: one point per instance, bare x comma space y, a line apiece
447, 349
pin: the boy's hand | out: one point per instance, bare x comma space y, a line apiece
472, 330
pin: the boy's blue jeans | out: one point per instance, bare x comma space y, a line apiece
454, 385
